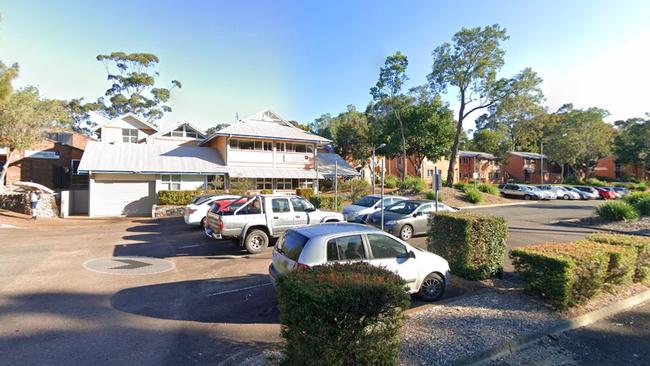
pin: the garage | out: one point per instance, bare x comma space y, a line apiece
122, 197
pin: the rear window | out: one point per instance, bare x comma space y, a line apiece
291, 245
201, 200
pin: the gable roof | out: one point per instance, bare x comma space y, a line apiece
476, 154
102, 121
174, 127
267, 124
150, 159
528, 155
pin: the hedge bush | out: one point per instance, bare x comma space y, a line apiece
622, 261
642, 245
431, 195
266, 191
564, 274
595, 182
641, 186
391, 181
640, 201
412, 184
342, 314
616, 211
473, 195
460, 186
182, 198
326, 202
241, 186
489, 188
305, 192
473, 244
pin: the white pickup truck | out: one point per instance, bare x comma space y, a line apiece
253, 220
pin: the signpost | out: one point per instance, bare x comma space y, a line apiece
382, 194
437, 184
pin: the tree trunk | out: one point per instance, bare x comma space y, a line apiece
561, 173
401, 128
454, 148
3, 174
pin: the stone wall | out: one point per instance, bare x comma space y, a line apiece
167, 211
19, 202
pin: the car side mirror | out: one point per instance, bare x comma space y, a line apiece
417, 214
411, 254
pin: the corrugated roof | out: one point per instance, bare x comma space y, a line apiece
528, 155
327, 164
478, 154
146, 158
268, 124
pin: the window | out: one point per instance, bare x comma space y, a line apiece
171, 182
283, 184
280, 146
251, 145
264, 183
297, 148
246, 145
300, 205
346, 248
130, 135
383, 246
74, 167
280, 205
291, 245
430, 173
427, 209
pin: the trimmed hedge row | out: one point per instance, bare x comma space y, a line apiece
181, 198
326, 202
640, 243
474, 245
342, 314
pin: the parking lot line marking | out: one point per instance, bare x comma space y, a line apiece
238, 290
190, 246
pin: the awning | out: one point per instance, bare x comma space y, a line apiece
257, 172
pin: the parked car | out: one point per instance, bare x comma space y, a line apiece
407, 218
196, 212
360, 210
605, 193
426, 274
254, 220
622, 191
543, 195
588, 193
519, 190
612, 190
561, 192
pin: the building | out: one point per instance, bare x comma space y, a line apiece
133, 160
480, 166
608, 167
526, 167
426, 171
52, 161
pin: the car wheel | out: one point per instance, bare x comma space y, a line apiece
256, 241
203, 221
566, 197
432, 288
406, 232
527, 197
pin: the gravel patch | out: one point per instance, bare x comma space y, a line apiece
632, 227
446, 333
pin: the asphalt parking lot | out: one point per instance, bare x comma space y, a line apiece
210, 303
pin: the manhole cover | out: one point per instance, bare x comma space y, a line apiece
129, 265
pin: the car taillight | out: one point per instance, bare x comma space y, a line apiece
301, 266
191, 210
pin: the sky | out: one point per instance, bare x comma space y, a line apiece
306, 58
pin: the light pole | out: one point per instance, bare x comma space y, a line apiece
541, 167
373, 165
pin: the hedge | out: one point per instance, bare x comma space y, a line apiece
642, 245
565, 274
305, 192
473, 195
327, 202
622, 261
474, 245
412, 184
489, 188
342, 314
640, 201
391, 181
617, 211
181, 198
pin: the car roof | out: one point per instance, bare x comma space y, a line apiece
385, 196
312, 231
420, 201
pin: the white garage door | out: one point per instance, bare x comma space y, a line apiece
115, 198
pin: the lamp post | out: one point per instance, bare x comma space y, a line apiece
373, 165
541, 167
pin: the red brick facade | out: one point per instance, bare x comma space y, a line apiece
528, 170
607, 167
489, 170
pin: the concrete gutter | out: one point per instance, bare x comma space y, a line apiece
498, 205
510, 347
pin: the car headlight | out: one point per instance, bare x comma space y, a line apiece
390, 223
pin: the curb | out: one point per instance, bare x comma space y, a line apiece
510, 347
497, 205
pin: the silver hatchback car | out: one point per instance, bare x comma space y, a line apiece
426, 274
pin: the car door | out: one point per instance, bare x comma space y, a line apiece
300, 214
348, 248
389, 253
281, 215
421, 219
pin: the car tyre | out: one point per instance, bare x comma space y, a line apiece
527, 197
203, 221
256, 241
406, 232
566, 197
432, 288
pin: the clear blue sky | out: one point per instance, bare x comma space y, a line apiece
306, 58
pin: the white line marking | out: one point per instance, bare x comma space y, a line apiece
190, 246
7, 226
238, 290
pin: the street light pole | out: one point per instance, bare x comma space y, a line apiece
541, 168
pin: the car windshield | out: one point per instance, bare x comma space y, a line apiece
199, 200
367, 201
403, 207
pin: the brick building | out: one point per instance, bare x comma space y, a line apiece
427, 169
608, 167
485, 166
526, 167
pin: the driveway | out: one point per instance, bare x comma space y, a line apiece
214, 304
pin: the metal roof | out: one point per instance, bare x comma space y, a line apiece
147, 158
267, 124
327, 164
176, 126
527, 155
101, 121
476, 154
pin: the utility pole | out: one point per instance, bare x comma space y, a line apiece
382, 194
541, 167
336, 184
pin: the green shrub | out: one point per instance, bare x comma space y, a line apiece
564, 274
182, 198
460, 186
241, 186
622, 261
489, 189
305, 192
473, 195
326, 202
342, 314
473, 244
641, 186
640, 201
616, 211
391, 181
431, 195
595, 182
575, 181
357, 188
266, 191
412, 184
642, 245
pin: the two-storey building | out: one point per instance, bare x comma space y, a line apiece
480, 166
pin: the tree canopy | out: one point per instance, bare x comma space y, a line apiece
632, 142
